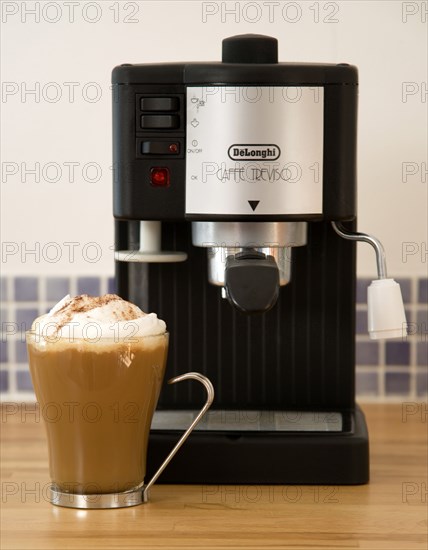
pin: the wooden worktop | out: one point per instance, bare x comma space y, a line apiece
389, 513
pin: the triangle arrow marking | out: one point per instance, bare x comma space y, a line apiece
253, 204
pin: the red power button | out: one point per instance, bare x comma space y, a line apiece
159, 177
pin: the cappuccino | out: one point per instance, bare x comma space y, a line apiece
97, 366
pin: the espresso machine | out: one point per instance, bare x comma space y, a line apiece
235, 221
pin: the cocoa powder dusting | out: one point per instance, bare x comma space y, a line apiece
84, 303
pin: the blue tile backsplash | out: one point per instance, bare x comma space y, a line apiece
394, 370
397, 353
3, 291
26, 289
23, 381
397, 383
423, 291
422, 383
367, 353
4, 357
422, 354
21, 352
111, 285
25, 317
57, 288
88, 285
4, 381
361, 322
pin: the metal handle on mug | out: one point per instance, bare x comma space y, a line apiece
210, 398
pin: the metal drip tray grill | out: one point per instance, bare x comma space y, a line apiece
251, 421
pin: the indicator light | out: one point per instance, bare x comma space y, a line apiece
159, 177
173, 148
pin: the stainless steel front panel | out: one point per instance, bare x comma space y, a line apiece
254, 150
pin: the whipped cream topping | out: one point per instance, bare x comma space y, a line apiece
96, 317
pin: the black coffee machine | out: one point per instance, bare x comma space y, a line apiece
235, 208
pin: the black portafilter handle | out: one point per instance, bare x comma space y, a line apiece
250, 48
252, 281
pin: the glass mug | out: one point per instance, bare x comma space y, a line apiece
97, 401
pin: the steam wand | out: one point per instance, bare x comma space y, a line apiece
386, 315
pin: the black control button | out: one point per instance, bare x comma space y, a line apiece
159, 104
160, 121
160, 148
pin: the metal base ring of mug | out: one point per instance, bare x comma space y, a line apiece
106, 500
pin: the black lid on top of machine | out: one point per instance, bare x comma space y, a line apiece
248, 60
250, 48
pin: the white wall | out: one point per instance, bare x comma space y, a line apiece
385, 39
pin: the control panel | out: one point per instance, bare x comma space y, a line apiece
254, 150
231, 141
160, 126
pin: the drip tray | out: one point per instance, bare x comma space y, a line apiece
242, 447
251, 421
